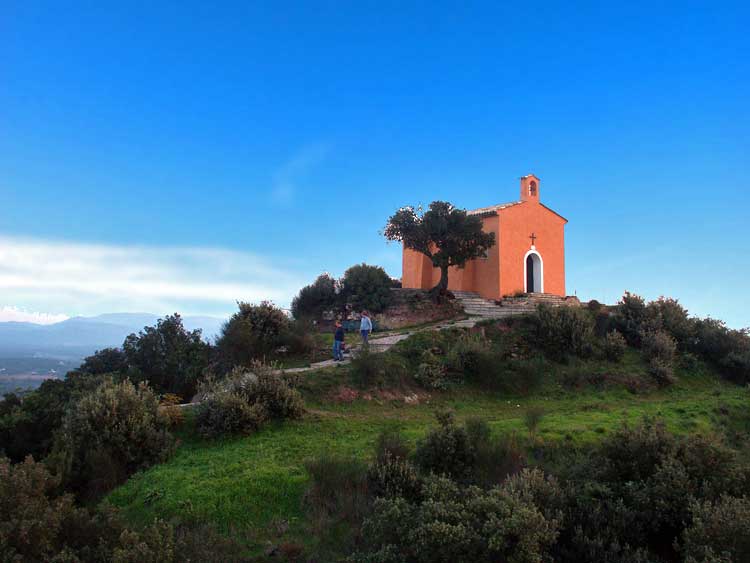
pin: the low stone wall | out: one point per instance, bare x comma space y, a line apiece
411, 307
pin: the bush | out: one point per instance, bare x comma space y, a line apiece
667, 314
614, 346
170, 408
736, 366
245, 399
369, 369
253, 333
111, 433
167, 357
720, 531
630, 316
366, 287
431, 373
391, 443
107, 360
446, 450
661, 372
457, 524
593, 306
36, 524
315, 299
28, 424
659, 345
561, 331
531, 418
393, 477
226, 412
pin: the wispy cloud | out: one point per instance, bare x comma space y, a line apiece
78, 278
287, 177
8, 313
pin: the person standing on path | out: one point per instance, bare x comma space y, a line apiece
365, 327
338, 343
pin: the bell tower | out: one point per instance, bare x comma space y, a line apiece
529, 188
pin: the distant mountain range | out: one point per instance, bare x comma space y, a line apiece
26, 348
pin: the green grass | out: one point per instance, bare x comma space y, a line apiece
250, 483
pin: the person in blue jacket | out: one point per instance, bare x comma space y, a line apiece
338, 343
365, 327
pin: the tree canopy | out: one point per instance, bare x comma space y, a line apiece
446, 235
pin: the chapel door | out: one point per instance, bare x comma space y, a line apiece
530, 275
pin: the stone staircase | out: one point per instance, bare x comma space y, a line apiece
476, 306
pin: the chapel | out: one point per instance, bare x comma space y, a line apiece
528, 255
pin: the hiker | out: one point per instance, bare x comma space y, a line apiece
365, 327
338, 343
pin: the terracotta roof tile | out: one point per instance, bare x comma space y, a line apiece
492, 209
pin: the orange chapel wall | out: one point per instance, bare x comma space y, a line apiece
517, 223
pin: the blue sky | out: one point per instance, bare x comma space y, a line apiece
182, 155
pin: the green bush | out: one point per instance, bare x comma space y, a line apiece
253, 333
37, 524
393, 444
661, 372
563, 331
532, 418
369, 369
614, 346
245, 399
167, 357
630, 316
454, 524
28, 424
719, 532
432, 373
315, 299
393, 477
659, 345
112, 432
446, 449
366, 287
225, 412
667, 314
107, 360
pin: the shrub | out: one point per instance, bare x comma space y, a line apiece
431, 373
170, 408
168, 357
111, 433
391, 443
446, 449
659, 345
315, 299
661, 372
37, 524
226, 412
667, 314
633, 453
245, 399
736, 366
457, 524
464, 352
593, 306
275, 392
366, 287
393, 477
614, 346
369, 369
563, 330
720, 531
495, 459
630, 316
28, 424
254, 332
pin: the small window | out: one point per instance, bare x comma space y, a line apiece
532, 188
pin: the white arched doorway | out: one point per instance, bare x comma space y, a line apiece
533, 272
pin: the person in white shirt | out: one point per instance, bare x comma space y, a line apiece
365, 327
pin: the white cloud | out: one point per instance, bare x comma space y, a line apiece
77, 278
287, 177
8, 313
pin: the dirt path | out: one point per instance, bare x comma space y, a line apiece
383, 343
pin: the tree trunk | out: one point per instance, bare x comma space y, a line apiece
438, 292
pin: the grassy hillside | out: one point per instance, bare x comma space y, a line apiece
253, 487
